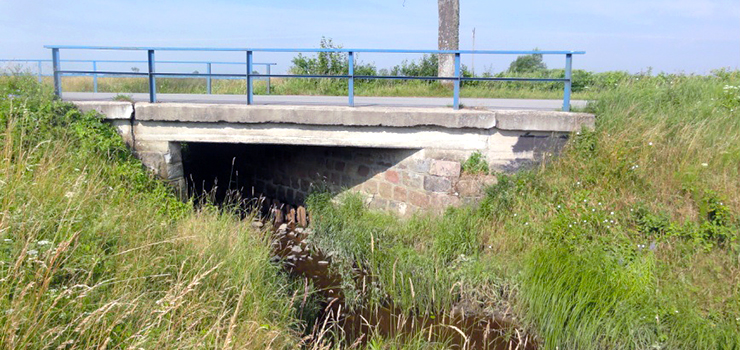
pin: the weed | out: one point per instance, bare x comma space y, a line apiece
475, 164
124, 98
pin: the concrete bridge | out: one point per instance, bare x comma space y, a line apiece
403, 159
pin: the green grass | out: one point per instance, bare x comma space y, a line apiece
629, 239
330, 87
95, 252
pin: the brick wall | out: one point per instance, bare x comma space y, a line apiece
399, 180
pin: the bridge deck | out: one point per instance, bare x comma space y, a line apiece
360, 101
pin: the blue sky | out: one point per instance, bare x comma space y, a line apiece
692, 36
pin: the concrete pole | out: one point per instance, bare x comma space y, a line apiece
449, 37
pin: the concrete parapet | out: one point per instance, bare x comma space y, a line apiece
113, 110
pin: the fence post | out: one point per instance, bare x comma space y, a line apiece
57, 76
249, 78
152, 82
208, 81
95, 76
351, 79
456, 98
268, 78
39, 72
568, 75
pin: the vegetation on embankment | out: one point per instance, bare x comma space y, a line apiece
628, 240
96, 253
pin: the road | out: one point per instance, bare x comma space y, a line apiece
360, 101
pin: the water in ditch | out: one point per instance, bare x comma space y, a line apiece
459, 330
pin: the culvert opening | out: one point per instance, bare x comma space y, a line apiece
285, 173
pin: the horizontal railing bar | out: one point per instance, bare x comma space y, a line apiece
170, 75
88, 72
514, 79
204, 75
134, 61
402, 77
243, 75
492, 52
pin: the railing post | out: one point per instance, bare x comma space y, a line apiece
268, 78
152, 81
208, 80
568, 75
456, 98
57, 76
39, 72
351, 79
95, 76
249, 78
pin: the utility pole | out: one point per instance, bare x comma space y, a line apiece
449, 37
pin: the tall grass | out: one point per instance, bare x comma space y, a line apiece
629, 239
96, 253
336, 87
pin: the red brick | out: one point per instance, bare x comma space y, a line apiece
418, 199
370, 186
392, 176
399, 193
442, 201
385, 190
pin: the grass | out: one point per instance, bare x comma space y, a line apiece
95, 252
629, 239
295, 86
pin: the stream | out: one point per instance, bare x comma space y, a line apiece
457, 329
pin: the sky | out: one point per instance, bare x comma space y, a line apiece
674, 36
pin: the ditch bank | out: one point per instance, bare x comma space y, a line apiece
464, 326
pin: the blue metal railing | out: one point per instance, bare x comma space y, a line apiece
95, 73
249, 76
